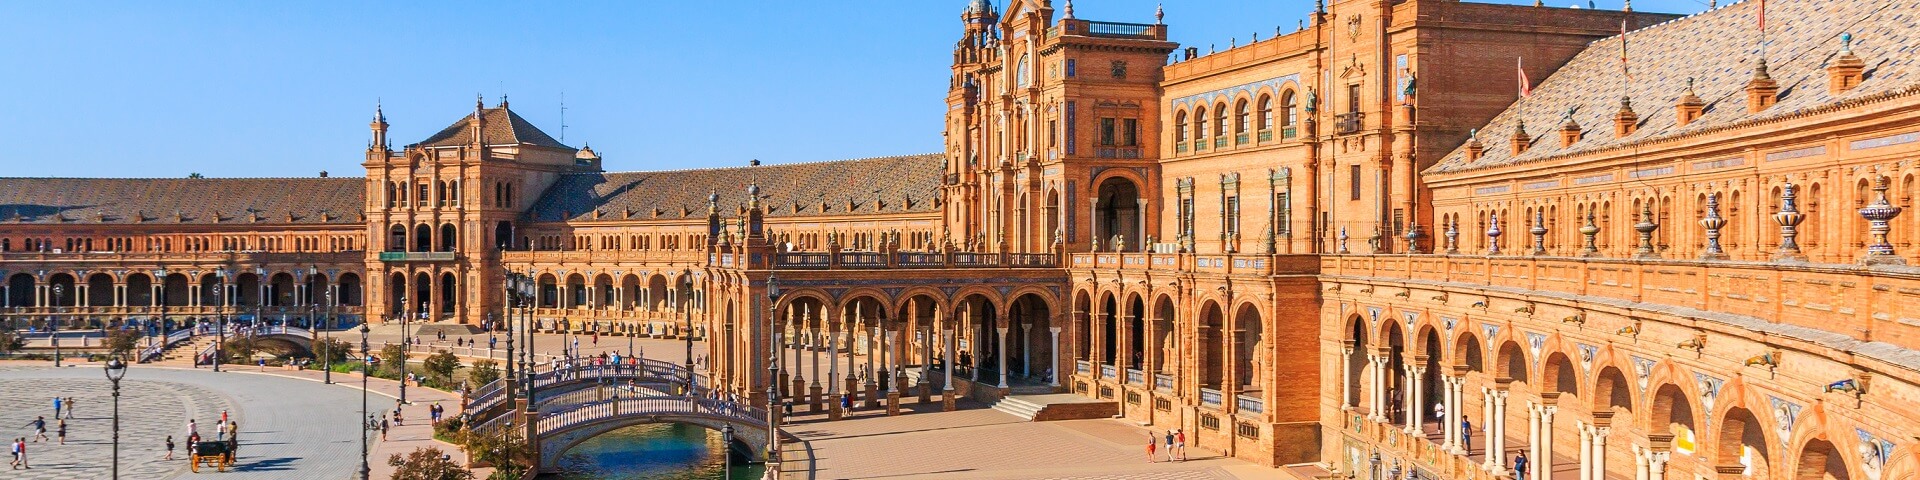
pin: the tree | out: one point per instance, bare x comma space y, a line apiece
440, 366
122, 342
333, 349
393, 361
428, 463
11, 341
484, 371
500, 447
241, 347
196, 175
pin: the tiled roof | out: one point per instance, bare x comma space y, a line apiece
503, 127
874, 185
330, 200
1716, 48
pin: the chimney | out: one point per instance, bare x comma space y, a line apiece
1846, 70
1690, 106
1474, 148
1520, 138
1569, 131
1626, 121
1762, 91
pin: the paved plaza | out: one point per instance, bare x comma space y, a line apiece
289, 428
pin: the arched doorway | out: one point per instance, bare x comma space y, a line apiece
1136, 332
1030, 323
1213, 361
1118, 213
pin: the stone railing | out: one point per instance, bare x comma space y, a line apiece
1211, 397
911, 259
676, 257
1861, 303
1232, 264
1249, 403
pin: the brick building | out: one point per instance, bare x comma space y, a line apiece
1682, 252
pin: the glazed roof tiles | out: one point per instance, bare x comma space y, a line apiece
1716, 48
622, 195
503, 127
328, 200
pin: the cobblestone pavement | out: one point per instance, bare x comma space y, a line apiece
980, 443
289, 428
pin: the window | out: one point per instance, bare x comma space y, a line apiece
1288, 112
1220, 120
1233, 215
1020, 75
1053, 133
1070, 68
1200, 123
1240, 117
1284, 225
1353, 98
1106, 132
1130, 132
1180, 127
1354, 174
1266, 112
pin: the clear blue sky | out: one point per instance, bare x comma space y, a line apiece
286, 88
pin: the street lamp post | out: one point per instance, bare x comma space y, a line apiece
366, 369
116, 369
773, 379
220, 321
726, 451
686, 311
406, 343
53, 323
327, 363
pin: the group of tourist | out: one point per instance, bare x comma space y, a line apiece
1176, 446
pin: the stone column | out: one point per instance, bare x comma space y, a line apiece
1003, 355
1378, 406
1449, 429
1490, 426
1054, 359
1533, 437
894, 388
1599, 455
813, 388
873, 376
1586, 449
1026, 353
1415, 390
1640, 463
946, 387
833, 367
1543, 463
1657, 465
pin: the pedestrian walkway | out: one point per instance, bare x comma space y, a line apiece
980, 443
382, 394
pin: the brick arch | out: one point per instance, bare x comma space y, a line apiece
1510, 361
1468, 351
787, 299
1739, 428
991, 295
1611, 388
1558, 374
1669, 404
939, 298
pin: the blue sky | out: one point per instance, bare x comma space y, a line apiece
286, 88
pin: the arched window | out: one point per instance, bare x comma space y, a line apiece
1288, 114
1220, 120
1240, 117
1180, 126
1020, 74
1200, 123
1266, 112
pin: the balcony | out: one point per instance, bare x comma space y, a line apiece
1180, 147
1240, 139
1136, 377
1163, 382
416, 256
1266, 135
1210, 397
1220, 142
1348, 123
1249, 403
1118, 152
1107, 371
1117, 29
1289, 132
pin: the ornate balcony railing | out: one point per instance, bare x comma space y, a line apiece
416, 256
804, 259
1266, 135
1117, 29
1163, 382
1348, 123
1210, 397
1245, 403
1241, 139
1289, 132
1107, 371
1081, 366
1136, 377
1118, 152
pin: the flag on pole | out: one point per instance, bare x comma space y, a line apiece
1763, 16
1624, 72
1519, 67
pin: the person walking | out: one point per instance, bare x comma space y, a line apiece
39, 425
1169, 445
70, 404
20, 449
14, 445
1520, 465
1466, 434
60, 431
169, 448
383, 429
1151, 442
1440, 416
57, 403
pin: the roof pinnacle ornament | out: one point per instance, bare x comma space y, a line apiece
1159, 14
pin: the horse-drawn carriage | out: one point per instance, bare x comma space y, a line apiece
218, 455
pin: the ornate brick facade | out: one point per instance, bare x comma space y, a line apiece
1670, 260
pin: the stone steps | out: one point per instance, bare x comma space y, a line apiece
1017, 407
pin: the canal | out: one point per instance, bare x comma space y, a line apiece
662, 451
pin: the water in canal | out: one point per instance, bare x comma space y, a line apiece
655, 451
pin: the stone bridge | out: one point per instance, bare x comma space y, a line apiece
579, 402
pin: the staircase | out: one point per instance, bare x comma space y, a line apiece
183, 353
1014, 405
1057, 406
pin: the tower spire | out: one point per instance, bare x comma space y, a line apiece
379, 127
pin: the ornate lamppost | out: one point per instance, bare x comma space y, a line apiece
406, 343
327, 363
726, 451
53, 322
773, 379
221, 284
686, 310
366, 370
116, 369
